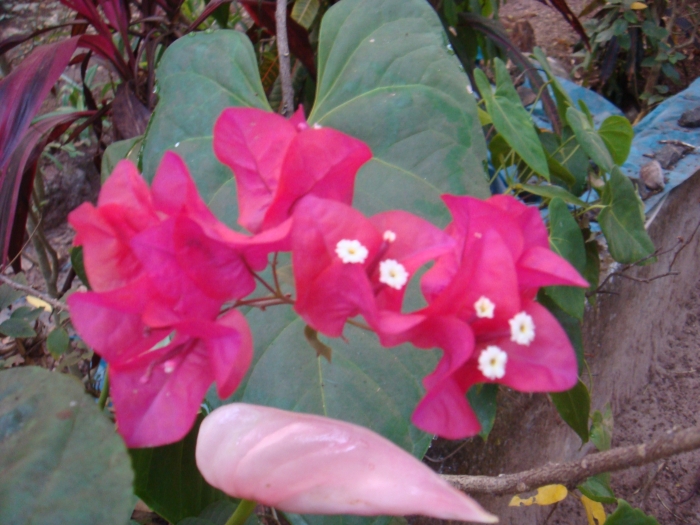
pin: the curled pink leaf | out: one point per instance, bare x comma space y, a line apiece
310, 464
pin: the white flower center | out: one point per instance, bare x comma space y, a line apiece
393, 273
389, 236
492, 362
522, 329
484, 307
351, 251
317, 126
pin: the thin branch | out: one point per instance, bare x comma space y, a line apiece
31, 291
573, 472
283, 51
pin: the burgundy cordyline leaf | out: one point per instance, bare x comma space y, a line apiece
309, 464
23, 91
17, 184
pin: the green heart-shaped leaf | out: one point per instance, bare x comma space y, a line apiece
199, 76
387, 77
60, 458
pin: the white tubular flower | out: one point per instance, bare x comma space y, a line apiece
351, 251
522, 329
392, 273
484, 308
492, 362
389, 236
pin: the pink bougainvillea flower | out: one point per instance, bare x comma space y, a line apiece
347, 265
524, 233
278, 161
484, 290
162, 266
157, 391
310, 464
124, 209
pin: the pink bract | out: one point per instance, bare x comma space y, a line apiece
331, 290
522, 230
502, 258
277, 161
310, 464
162, 265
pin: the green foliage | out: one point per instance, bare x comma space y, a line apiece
58, 342
601, 429
199, 76
552, 192
60, 459
589, 140
217, 513
510, 118
9, 295
365, 384
570, 324
630, 47
482, 398
116, 151
386, 77
76, 261
597, 488
626, 515
560, 95
622, 220
168, 481
574, 406
617, 133
565, 239
304, 12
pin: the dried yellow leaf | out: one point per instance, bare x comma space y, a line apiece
594, 511
638, 6
546, 495
38, 303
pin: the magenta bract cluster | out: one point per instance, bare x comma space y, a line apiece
162, 269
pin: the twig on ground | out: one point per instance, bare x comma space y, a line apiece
573, 472
283, 53
58, 305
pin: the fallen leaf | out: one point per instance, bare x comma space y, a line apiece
594, 511
546, 495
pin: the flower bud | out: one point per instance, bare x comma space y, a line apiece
310, 464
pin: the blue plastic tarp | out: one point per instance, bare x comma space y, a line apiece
662, 124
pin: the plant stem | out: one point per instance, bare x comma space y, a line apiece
573, 472
31, 291
283, 51
104, 394
243, 511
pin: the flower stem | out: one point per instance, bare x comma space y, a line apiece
104, 394
243, 511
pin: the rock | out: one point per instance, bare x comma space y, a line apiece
527, 96
690, 118
669, 155
652, 175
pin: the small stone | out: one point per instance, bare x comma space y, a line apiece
690, 118
669, 155
527, 96
652, 175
